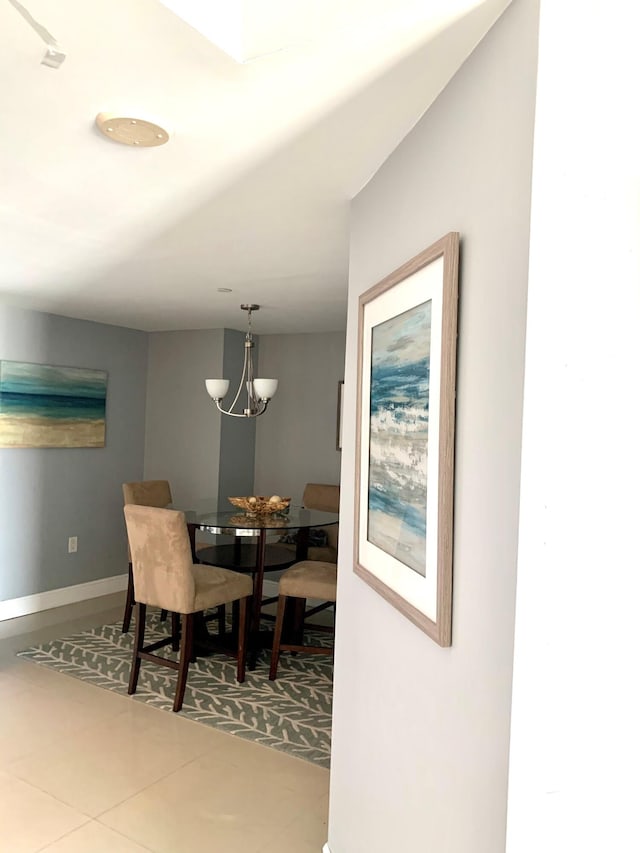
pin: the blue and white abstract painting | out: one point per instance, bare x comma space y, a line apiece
43, 405
399, 434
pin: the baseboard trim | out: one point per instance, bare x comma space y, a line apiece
15, 607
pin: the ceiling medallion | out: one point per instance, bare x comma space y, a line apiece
131, 131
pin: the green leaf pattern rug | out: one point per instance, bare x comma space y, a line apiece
292, 714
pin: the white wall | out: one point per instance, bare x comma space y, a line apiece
576, 706
296, 438
182, 442
421, 733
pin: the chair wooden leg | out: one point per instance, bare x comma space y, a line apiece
128, 607
175, 631
185, 658
138, 643
299, 608
163, 615
235, 615
222, 619
243, 638
277, 638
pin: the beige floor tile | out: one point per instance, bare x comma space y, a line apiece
36, 717
29, 818
306, 834
239, 806
158, 781
93, 837
174, 829
308, 830
105, 702
10, 686
98, 767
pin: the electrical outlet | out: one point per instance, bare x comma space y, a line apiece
73, 544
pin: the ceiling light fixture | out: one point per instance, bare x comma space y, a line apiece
55, 56
259, 391
131, 131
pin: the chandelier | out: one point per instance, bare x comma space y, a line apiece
55, 56
258, 391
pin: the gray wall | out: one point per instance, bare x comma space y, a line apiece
421, 733
237, 435
182, 442
47, 495
204, 454
296, 438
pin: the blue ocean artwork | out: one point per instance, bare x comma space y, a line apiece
398, 438
47, 406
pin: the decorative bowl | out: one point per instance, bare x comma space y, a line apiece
249, 520
260, 505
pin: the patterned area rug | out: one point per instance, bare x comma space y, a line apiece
292, 714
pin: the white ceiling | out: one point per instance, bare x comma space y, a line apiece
252, 191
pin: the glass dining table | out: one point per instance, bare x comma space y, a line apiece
255, 557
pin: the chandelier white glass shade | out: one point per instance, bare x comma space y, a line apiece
258, 391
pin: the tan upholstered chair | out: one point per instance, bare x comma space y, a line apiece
145, 493
326, 498
165, 576
307, 579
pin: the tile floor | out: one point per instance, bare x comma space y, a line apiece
83, 770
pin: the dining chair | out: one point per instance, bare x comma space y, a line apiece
165, 576
326, 498
145, 493
307, 579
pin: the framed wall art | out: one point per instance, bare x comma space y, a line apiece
407, 330
42, 405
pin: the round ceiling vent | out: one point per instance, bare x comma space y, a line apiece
131, 131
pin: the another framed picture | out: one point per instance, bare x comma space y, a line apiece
407, 331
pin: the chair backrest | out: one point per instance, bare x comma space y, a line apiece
161, 557
147, 493
326, 498
322, 496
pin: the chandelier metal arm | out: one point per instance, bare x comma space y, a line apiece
255, 414
240, 386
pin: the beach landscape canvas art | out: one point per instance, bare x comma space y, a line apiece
48, 406
399, 432
405, 430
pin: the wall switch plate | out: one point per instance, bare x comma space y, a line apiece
73, 544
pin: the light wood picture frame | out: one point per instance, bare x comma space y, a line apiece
407, 336
339, 415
